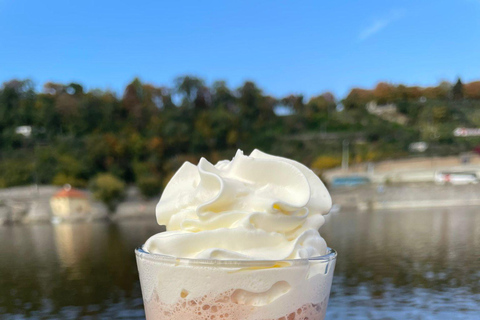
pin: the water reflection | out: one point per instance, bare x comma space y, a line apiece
425, 262
71, 271
416, 264
73, 243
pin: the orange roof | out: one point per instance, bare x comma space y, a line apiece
70, 193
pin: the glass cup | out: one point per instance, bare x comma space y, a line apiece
180, 288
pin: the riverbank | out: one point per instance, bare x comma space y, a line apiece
31, 204
406, 196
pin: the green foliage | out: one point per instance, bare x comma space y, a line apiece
457, 90
150, 186
108, 189
148, 178
15, 172
149, 131
62, 179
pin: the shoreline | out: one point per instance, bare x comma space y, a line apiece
30, 204
406, 196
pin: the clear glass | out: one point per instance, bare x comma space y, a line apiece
180, 288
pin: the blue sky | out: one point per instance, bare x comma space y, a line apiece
286, 47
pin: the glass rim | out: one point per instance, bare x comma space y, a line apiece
157, 257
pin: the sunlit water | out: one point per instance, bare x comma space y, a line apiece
421, 264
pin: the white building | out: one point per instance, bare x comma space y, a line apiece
374, 108
387, 112
70, 203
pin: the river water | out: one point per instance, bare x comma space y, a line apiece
412, 264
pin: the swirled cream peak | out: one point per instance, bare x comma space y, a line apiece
252, 207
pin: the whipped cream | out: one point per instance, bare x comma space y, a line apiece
252, 207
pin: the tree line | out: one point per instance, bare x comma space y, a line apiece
143, 135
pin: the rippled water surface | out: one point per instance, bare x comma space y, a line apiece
413, 264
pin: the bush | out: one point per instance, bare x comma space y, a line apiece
150, 186
108, 189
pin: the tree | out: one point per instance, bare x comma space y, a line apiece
294, 103
47, 115
442, 91
53, 88
12, 98
472, 90
384, 93
108, 189
192, 91
318, 104
249, 102
223, 98
357, 98
67, 106
132, 102
150, 186
14, 172
457, 90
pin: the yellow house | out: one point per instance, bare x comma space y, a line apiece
69, 202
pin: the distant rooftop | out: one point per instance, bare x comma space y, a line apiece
69, 192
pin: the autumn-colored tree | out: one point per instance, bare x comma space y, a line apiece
405, 93
384, 93
442, 91
472, 90
357, 98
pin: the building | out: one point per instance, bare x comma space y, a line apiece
387, 112
374, 108
70, 203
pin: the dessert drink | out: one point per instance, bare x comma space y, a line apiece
184, 289
242, 242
